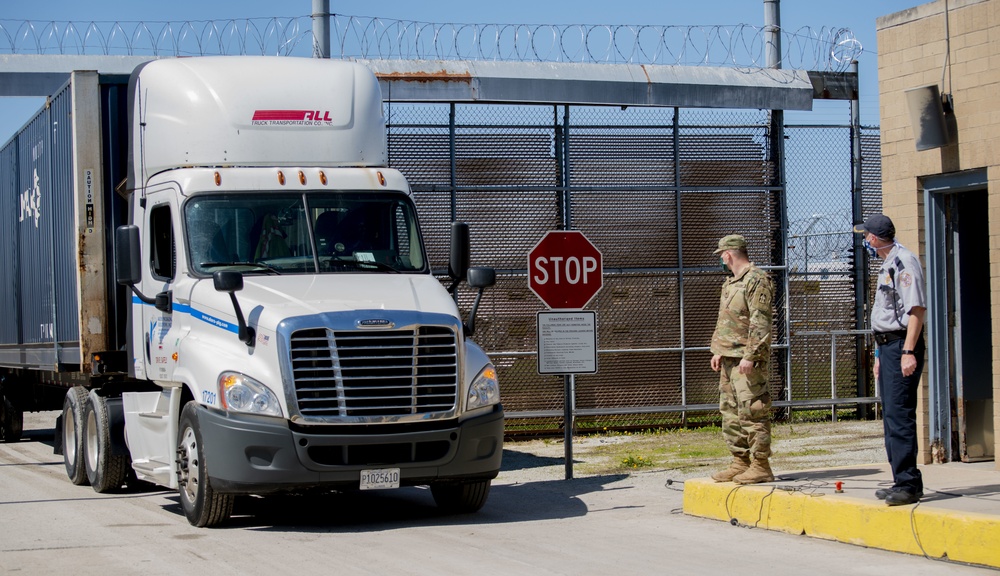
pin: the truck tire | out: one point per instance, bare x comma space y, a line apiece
202, 505
73, 419
106, 471
461, 497
11, 421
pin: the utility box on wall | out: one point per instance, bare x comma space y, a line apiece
927, 118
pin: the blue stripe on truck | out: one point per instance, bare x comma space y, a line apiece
197, 315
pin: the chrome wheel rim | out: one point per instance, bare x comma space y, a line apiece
69, 436
189, 473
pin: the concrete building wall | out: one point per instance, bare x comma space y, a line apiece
911, 48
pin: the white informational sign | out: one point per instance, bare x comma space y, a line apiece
567, 342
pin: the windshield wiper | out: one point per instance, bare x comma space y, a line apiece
261, 265
360, 264
376, 264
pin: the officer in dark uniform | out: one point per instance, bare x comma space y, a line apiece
897, 320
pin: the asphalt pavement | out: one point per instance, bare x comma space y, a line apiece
652, 521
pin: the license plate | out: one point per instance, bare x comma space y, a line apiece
380, 479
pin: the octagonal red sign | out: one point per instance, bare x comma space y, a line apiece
565, 269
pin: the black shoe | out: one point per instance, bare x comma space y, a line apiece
881, 493
900, 496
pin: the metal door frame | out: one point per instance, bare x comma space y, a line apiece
936, 190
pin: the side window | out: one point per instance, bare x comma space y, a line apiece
402, 231
407, 237
161, 234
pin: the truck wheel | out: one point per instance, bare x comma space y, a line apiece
73, 419
461, 497
11, 421
202, 505
105, 471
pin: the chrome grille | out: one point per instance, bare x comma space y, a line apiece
357, 373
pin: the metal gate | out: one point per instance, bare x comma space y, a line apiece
654, 189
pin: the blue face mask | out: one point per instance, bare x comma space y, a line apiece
871, 249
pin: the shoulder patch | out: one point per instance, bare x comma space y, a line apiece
905, 279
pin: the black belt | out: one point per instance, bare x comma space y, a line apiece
886, 337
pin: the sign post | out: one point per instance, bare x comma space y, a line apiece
565, 271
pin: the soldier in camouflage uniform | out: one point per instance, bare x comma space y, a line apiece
741, 349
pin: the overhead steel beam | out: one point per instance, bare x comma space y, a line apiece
592, 84
44, 74
509, 82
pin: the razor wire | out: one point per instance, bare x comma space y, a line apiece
825, 238
257, 36
740, 46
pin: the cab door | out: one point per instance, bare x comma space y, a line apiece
159, 326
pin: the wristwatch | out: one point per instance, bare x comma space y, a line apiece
910, 352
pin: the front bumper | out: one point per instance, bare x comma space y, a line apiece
252, 455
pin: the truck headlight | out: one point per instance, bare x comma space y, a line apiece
485, 389
241, 393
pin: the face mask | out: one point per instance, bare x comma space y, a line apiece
722, 263
871, 249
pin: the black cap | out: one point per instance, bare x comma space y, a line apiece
879, 225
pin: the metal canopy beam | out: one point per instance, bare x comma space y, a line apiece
44, 74
512, 82
592, 84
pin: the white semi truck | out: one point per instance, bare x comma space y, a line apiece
271, 324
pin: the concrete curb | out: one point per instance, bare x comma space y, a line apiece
916, 529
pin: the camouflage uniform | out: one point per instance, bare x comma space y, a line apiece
743, 331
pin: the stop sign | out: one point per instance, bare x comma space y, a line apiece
565, 270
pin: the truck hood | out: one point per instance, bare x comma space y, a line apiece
268, 300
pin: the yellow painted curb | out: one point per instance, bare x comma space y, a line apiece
921, 530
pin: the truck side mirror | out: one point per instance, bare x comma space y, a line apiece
458, 263
482, 277
128, 262
232, 282
128, 266
228, 281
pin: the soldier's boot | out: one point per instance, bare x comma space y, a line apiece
739, 465
759, 471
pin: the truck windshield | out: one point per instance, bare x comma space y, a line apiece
314, 232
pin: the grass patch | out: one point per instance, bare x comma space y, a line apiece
807, 452
682, 449
633, 461
697, 451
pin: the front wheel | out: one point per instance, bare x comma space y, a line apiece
202, 505
461, 497
72, 429
106, 471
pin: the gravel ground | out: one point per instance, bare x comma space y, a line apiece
794, 446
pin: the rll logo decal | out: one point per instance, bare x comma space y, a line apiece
291, 118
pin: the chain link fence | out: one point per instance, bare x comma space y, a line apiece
653, 189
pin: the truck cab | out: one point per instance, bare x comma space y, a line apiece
286, 331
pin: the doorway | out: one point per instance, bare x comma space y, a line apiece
959, 304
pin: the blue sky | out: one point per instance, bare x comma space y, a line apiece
857, 15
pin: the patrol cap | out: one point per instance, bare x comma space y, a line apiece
731, 242
879, 225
